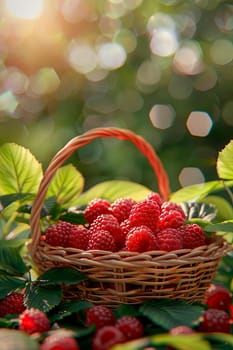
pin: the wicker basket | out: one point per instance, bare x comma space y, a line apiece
126, 277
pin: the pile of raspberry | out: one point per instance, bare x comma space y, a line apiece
125, 224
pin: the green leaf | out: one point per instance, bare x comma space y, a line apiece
9, 198
114, 189
67, 308
41, 297
62, 275
171, 313
199, 191
224, 208
198, 210
20, 172
9, 284
225, 226
11, 260
66, 186
225, 162
73, 217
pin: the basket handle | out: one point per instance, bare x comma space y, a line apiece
74, 144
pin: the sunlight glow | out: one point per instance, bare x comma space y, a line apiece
24, 9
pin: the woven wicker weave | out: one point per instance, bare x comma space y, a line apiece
126, 277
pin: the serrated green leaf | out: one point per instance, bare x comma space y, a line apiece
171, 313
199, 191
9, 198
224, 208
73, 217
225, 162
11, 261
41, 297
67, 308
9, 284
126, 309
13, 243
66, 186
225, 226
114, 189
62, 275
20, 172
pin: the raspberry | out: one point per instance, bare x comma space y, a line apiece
95, 208
12, 304
58, 342
140, 239
169, 239
100, 316
130, 326
106, 337
171, 218
58, 234
121, 208
79, 237
108, 222
145, 213
193, 236
33, 321
181, 330
167, 206
102, 240
218, 297
154, 196
215, 320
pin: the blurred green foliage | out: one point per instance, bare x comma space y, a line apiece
160, 68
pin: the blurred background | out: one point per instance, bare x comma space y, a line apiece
163, 69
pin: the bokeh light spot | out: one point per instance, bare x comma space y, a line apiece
221, 51
163, 42
111, 55
24, 9
187, 59
149, 73
127, 39
206, 80
162, 116
190, 176
81, 56
227, 113
44, 82
8, 102
16, 81
199, 123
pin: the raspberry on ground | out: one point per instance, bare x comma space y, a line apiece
12, 304
181, 330
33, 321
99, 316
57, 342
95, 208
58, 234
106, 337
193, 236
140, 239
107, 222
102, 240
218, 297
215, 320
171, 218
121, 208
130, 326
169, 239
79, 237
145, 213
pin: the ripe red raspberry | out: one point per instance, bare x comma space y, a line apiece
193, 236
218, 297
171, 218
130, 326
106, 337
102, 240
99, 316
33, 321
12, 304
167, 206
58, 234
108, 222
154, 196
140, 239
169, 239
145, 213
58, 342
215, 320
121, 208
95, 208
79, 237
181, 330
